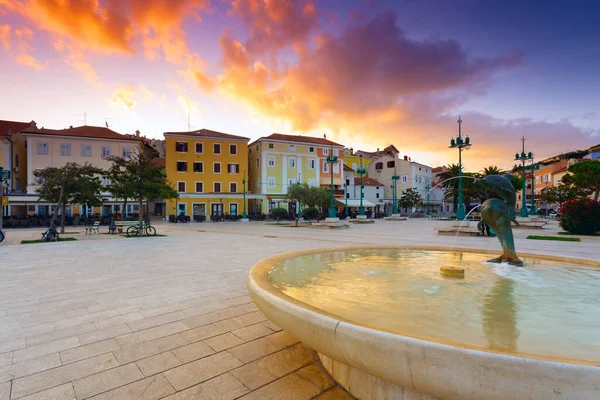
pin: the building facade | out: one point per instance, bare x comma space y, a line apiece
208, 169
55, 148
278, 161
372, 193
13, 153
353, 161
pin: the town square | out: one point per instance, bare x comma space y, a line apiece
299, 199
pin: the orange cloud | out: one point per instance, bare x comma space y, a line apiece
20, 38
85, 68
30, 61
123, 98
5, 36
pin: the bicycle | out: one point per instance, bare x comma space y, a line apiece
51, 235
146, 229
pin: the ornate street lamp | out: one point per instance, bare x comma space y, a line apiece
395, 179
524, 157
361, 171
428, 204
460, 144
534, 167
331, 159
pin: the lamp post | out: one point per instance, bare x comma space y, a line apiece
428, 203
395, 179
331, 159
460, 144
534, 167
346, 196
361, 171
524, 157
244, 215
4, 176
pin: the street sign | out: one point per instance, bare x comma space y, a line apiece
4, 201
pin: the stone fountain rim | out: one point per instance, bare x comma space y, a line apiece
419, 364
259, 274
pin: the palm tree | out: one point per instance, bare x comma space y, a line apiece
492, 170
447, 181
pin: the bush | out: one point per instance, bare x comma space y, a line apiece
580, 216
310, 213
279, 213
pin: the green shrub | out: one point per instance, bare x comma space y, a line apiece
580, 216
310, 213
279, 213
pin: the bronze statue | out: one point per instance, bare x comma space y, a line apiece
497, 213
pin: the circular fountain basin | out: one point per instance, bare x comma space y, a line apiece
387, 324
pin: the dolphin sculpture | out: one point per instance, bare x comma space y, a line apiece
496, 213
500, 187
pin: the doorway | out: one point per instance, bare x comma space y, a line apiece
216, 209
233, 207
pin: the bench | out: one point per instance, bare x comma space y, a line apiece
123, 224
95, 227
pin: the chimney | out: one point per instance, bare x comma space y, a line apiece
378, 149
137, 133
405, 158
70, 126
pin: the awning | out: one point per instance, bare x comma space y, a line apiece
355, 203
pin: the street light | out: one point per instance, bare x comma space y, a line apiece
346, 196
428, 204
460, 144
534, 167
395, 178
361, 171
524, 157
244, 215
331, 159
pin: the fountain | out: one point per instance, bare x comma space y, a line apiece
387, 324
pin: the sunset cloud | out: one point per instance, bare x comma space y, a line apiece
5, 36
123, 98
85, 69
188, 105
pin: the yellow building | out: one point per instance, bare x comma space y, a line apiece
353, 161
207, 168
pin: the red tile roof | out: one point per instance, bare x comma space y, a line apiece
367, 182
159, 161
96, 132
301, 139
208, 134
13, 126
347, 168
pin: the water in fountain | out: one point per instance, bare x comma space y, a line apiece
548, 310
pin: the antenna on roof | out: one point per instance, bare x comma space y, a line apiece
325, 136
84, 118
106, 121
189, 126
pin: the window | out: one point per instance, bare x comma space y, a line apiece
198, 166
347, 195
377, 195
16, 160
325, 167
199, 187
379, 165
292, 181
354, 166
538, 179
312, 163
311, 182
391, 164
217, 187
181, 186
271, 181
311, 149
326, 151
271, 145
126, 153
86, 150
257, 147
404, 178
347, 182
257, 162
217, 168
65, 149
233, 187
271, 161
106, 151
336, 168
292, 162
42, 148
233, 149
216, 148
181, 166
292, 147
233, 168
199, 147
181, 147
105, 181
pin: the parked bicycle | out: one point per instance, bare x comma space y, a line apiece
147, 229
51, 235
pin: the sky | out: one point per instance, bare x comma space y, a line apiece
366, 73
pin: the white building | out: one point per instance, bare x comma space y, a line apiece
372, 194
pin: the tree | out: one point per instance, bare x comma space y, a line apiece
71, 184
450, 183
492, 170
586, 176
139, 178
410, 198
561, 194
308, 196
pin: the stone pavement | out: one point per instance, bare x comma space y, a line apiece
169, 317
